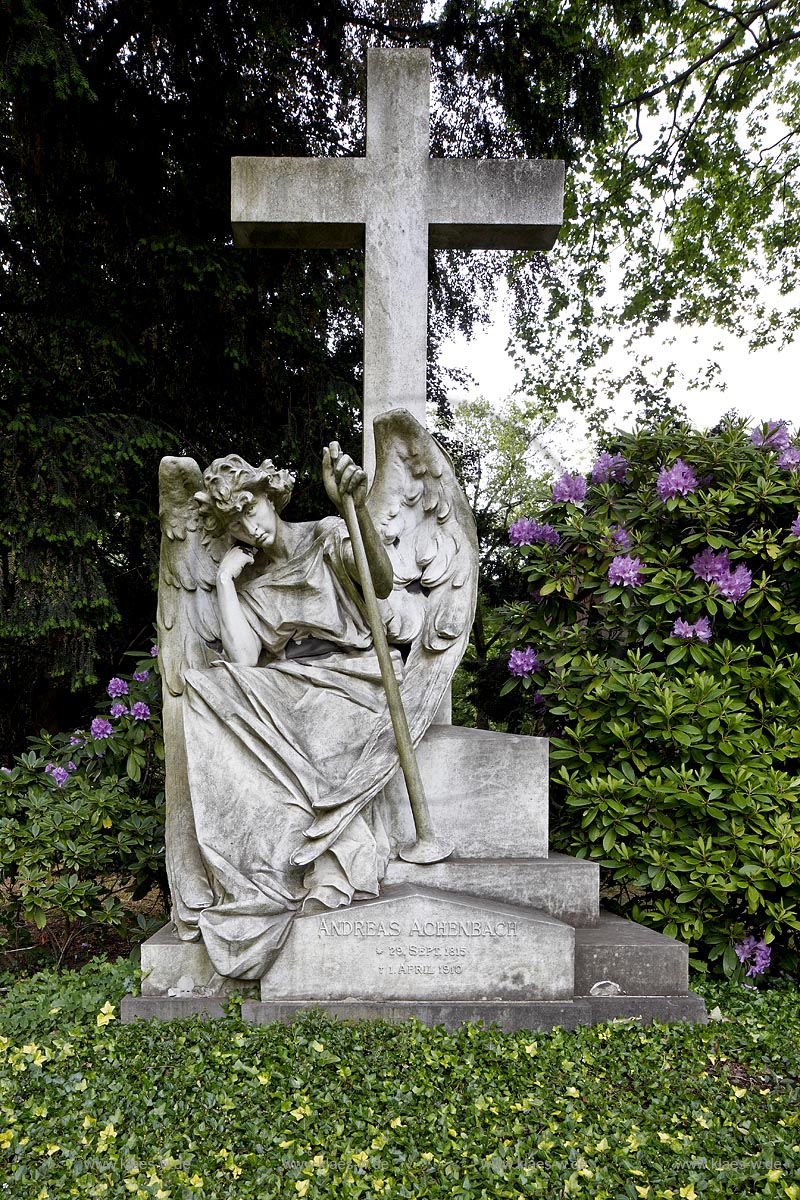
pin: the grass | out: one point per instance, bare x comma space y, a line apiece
228, 1111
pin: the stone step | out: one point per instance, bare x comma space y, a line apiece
487, 793
563, 887
628, 957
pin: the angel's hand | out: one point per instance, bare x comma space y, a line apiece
234, 562
341, 476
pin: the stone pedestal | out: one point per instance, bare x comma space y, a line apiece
500, 932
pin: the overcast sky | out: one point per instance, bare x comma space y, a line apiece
761, 385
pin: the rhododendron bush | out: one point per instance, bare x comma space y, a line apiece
662, 630
82, 818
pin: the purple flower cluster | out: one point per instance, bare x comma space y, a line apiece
141, 676
700, 630
772, 435
140, 711
117, 687
154, 651
790, 458
525, 532
609, 466
735, 584
523, 662
101, 728
625, 570
709, 565
620, 537
118, 710
59, 775
569, 489
794, 528
753, 951
76, 740
678, 480
716, 568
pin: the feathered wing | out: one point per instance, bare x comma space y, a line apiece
427, 526
188, 627
188, 622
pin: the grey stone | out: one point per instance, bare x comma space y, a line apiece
398, 203
421, 945
665, 1009
563, 887
172, 967
509, 1015
169, 1008
487, 790
639, 960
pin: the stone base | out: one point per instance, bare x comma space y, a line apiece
621, 971
563, 887
509, 1016
487, 790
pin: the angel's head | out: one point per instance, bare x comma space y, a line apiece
242, 500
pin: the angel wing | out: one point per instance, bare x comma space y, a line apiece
188, 623
422, 515
188, 626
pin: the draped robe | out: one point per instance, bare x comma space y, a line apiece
270, 746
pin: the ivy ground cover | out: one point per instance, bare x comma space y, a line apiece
221, 1109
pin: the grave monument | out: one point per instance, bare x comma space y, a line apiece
306, 869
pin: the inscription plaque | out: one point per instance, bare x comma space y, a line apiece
418, 943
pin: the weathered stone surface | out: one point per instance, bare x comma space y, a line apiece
180, 969
509, 1015
169, 1008
563, 887
640, 961
396, 202
421, 945
488, 791
665, 1009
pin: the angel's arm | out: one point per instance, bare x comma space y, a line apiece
240, 642
340, 474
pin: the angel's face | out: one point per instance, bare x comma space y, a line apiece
257, 523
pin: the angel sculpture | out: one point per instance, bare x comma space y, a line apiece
277, 731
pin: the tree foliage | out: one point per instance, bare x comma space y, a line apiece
131, 327
686, 210
666, 619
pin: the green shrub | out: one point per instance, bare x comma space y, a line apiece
81, 817
675, 747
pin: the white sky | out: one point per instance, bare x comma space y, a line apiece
763, 385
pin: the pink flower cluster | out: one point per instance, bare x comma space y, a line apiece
677, 480
701, 630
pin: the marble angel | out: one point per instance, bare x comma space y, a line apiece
277, 731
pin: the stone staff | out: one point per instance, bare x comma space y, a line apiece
428, 848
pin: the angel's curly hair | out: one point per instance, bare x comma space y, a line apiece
231, 484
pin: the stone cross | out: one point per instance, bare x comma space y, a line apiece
398, 203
